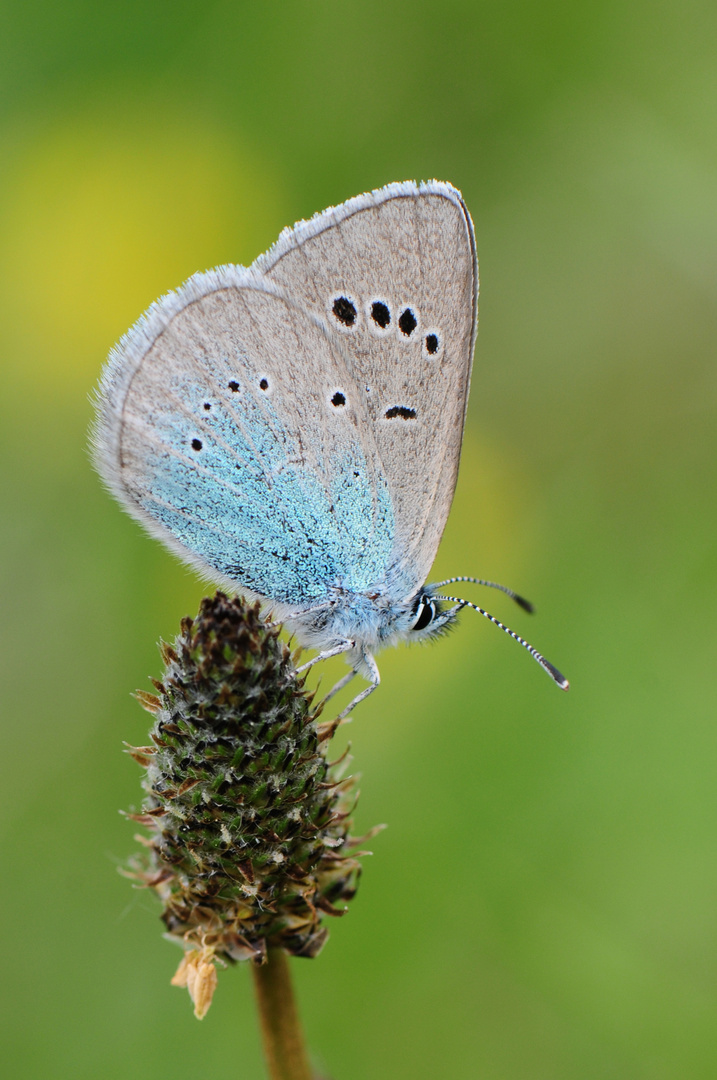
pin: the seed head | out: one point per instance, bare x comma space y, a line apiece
248, 840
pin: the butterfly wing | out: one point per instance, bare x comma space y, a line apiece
229, 426
394, 275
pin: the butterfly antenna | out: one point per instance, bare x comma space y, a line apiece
545, 664
520, 600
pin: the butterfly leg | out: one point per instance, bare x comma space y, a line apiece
375, 678
340, 684
345, 646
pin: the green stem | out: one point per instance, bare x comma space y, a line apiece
281, 1031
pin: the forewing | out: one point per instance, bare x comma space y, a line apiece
394, 275
229, 426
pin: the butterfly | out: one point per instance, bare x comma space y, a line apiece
293, 429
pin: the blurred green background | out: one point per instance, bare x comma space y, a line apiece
543, 904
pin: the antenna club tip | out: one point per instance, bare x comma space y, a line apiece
557, 676
525, 604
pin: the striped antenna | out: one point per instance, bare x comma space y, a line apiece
545, 664
525, 604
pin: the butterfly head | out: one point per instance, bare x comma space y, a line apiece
428, 618
371, 620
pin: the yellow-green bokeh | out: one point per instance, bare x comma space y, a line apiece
544, 902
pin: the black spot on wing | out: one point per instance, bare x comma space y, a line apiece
380, 314
344, 310
407, 322
400, 410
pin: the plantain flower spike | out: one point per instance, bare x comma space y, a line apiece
248, 844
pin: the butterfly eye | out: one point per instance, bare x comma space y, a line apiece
425, 613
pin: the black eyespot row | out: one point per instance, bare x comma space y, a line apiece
263, 384
233, 386
400, 410
431, 344
407, 322
207, 406
344, 310
338, 399
380, 314
196, 444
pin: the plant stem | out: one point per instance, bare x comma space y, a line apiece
281, 1031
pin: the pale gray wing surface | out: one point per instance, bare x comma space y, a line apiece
394, 275
229, 426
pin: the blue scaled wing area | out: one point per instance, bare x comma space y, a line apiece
230, 427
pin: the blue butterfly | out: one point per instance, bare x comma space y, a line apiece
293, 430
